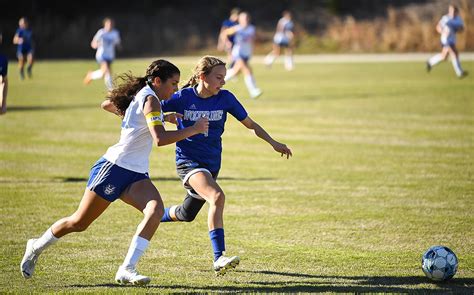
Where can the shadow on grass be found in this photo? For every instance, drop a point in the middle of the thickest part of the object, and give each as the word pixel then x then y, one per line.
pixel 51 107
pixel 319 283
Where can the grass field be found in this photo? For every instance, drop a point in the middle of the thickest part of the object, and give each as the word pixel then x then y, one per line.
pixel 383 168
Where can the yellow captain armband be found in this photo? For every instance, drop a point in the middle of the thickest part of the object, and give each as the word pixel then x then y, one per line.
pixel 154 118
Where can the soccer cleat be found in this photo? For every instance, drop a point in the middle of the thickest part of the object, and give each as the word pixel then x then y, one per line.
pixel 428 67
pixel 464 75
pixel 130 276
pixel 223 264
pixel 29 260
pixel 255 93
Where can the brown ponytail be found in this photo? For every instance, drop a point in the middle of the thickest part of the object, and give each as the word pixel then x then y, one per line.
pixel 204 66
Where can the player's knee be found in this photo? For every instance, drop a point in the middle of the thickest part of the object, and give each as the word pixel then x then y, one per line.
pixel 78 224
pixel 217 198
pixel 154 211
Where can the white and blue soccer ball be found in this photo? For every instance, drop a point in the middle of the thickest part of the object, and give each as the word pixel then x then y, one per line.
pixel 439 263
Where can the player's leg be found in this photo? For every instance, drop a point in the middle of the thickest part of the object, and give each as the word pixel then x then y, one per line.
pixel 289 64
pixel 21 65
pixel 144 196
pixel 250 80
pixel 437 58
pixel 185 212
pixel 206 186
pixel 234 70
pixel 454 55
pixel 97 74
pixel 30 60
pixel 91 207
pixel 271 57
pixel 3 94
pixel 106 69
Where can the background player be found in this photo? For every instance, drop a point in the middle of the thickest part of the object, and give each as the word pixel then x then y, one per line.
pixel 105 41
pixel 198 158
pixel 24 40
pixel 448 26
pixel 244 36
pixel 3 80
pixel 283 39
pixel 123 171
pixel 226 42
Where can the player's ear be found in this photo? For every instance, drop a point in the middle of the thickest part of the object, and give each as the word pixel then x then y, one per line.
pixel 202 77
pixel 157 81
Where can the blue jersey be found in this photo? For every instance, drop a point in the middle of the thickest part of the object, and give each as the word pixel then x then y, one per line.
pixel 3 65
pixel 27 36
pixel 206 149
pixel 228 24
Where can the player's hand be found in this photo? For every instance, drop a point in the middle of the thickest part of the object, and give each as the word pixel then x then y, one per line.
pixel 173 118
pixel 201 125
pixel 282 149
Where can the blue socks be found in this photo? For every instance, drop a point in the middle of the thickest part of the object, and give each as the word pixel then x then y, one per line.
pixel 217 241
pixel 166 216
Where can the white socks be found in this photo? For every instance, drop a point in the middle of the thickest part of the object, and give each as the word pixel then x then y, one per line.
pixel 96 75
pixel 108 82
pixel 136 250
pixel 229 75
pixel 46 240
pixel 457 66
pixel 250 83
pixel 289 65
pixel 269 59
pixel 434 60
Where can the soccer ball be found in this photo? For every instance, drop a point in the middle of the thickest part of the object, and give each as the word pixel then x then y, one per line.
pixel 439 263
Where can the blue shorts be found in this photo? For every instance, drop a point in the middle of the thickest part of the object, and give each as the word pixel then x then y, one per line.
pixel 102 59
pixel 25 50
pixel 3 65
pixel 186 168
pixel 109 180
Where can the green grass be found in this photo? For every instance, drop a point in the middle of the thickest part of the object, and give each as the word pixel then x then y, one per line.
pixel 382 170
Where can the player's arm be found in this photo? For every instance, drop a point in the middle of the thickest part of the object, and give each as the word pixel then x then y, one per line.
pixel 108 106
pixel 230 31
pixel 153 115
pixel 17 39
pixel 260 132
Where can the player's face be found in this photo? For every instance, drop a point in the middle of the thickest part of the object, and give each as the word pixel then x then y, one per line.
pixel 214 81
pixel 165 89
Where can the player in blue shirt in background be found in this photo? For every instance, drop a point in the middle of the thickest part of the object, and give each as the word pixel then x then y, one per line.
pixel 225 43
pixel 24 40
pixel 3 80
pixel 198 158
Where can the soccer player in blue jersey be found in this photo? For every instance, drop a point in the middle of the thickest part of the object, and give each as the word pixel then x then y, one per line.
pixel 198 158
pixel 244 35
pixel 226 42
pixel 24 40
pixel 105 41
pixel 283 39
pixel 3 81
pixel 122 172
pixel 447 27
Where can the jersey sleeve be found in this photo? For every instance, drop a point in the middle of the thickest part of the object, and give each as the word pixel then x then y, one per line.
pixel 171 105
pixel 3 66
pixel 235 108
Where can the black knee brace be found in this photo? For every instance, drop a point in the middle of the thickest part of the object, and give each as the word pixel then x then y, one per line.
pixel 189 209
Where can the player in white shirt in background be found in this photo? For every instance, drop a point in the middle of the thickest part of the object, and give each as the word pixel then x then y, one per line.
pixel 244 36
pixel 105 41
pixel 122 172
pixel 448 26
pixel 283 39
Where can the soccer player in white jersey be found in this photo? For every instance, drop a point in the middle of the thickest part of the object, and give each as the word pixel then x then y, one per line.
pixel 447 27
pixel 122 172
pixel 105 41
pixel 283 39
pixel 244 35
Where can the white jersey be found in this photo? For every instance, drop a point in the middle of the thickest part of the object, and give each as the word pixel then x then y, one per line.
pixel 133 150
pixel 283 31
pixel 449 26
pixel 106 43
pixel 243 41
